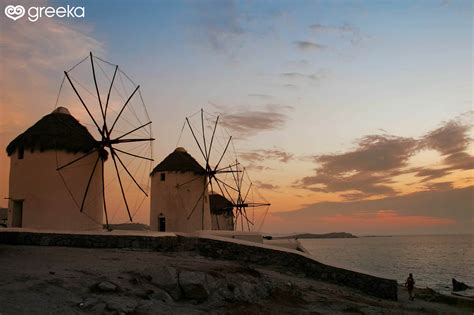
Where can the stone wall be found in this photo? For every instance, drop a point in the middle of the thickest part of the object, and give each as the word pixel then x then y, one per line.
pixel 285 261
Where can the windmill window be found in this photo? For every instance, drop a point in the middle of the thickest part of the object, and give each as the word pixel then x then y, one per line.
pixel 21 153
pixel 162 177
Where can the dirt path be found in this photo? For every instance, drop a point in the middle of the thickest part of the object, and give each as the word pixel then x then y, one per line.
pixel 60 280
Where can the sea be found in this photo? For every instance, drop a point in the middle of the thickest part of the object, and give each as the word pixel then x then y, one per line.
pixel 433 259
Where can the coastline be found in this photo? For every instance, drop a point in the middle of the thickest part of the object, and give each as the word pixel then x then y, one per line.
pixel 433 260
pixel 47 279
pixel 204 274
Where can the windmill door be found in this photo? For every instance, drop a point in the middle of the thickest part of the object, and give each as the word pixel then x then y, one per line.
pixel 161 223
pixel 17 213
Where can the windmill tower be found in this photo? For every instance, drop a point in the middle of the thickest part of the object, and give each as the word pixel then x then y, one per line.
pixel 38 197
pixel 222 212
pixel 179 195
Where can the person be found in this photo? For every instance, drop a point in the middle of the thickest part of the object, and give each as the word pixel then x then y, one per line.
pixel 410 284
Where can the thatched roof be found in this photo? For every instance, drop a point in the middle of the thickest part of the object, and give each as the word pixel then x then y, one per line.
pixel 58 131
pixel 219 204
pixel 179 161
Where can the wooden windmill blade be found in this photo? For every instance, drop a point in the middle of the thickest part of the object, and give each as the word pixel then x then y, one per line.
pixel 249 198
pixel 214 149
pixel 111 106
pixel 224 174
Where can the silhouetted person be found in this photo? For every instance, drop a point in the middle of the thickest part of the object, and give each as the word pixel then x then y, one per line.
pixel 410 284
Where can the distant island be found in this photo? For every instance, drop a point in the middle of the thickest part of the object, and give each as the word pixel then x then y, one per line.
pixel 311 235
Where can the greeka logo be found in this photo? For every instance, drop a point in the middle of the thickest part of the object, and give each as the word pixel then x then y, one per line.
pixel 16 12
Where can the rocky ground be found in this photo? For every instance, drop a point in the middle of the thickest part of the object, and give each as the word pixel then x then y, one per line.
pixel 61 280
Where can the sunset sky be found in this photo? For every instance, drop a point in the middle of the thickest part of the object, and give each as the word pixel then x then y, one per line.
pixel 351 116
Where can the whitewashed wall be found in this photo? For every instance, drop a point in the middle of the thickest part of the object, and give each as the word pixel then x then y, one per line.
pixel 47 202
pixel 176 203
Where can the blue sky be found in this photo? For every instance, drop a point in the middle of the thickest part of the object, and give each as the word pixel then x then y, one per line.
pixel 401 56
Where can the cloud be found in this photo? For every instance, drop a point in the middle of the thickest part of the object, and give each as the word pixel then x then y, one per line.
pixel 222 23
pixel 271 154
pixel 450 138
pixel 366 170
pixel 31 62
pixel 374 153
pixel 249 122
pixel 429 174
pixel 297 75
pixel 256 167
pixel 455 204
pixel 439 186
pixel 460 160
pixel 34 56
pixel 383 222
pixel 452 141
pixel 308 46
pixel 348 31
pixel 455 162
pixel 354 196
pixel 345 28
pixel 266 186
pixel 370 168
pixel 363 182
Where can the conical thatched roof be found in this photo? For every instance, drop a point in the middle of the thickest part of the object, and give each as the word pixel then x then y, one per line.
pixel 179 161
pixel 58 131
pixel 219 204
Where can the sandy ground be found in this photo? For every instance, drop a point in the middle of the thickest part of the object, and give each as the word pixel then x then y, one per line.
pixel 60 280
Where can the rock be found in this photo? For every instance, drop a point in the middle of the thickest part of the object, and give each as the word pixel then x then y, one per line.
pixel 120 304
pixel 106 286
pixel 194 285
pixel 237 288
pixel 160 295
pixel 88 303
pixel 155 294
pixel 459 286
pixel 165 278
pixel 158 307
pixel 118 307
pixel 221 289
pixel 145 308
pixel 92 305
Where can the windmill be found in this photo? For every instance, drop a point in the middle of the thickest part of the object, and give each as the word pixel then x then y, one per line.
pixel 225 175
pixel 111 106
pixel 248 198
